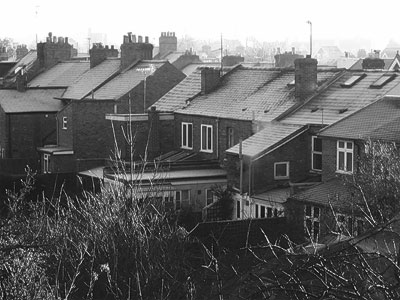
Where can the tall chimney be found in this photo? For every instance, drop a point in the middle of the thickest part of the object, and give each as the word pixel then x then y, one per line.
pixel 51 52
pixel 210 79
pixel 98 54
pixel 154 133
pixel 305 76
pixel 132 51
pixel 168 42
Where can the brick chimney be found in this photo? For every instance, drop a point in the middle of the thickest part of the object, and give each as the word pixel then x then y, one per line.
pixel 21 81
pixel 132 50
pixel 167 43
pixel 154 133
pixel 305 76
pixel 21 51
pixel 99 53
pixel 210 79
pixel 53 51
pixel 373 63
pixel 232 60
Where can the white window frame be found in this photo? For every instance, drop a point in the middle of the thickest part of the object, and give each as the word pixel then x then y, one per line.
pixel 46 162
pixel 209 147
pixel 230 137
pixel 314 152
pixel 287 170
pixel 213 197
pixel 185 134
pixel 64 122
pixel 345 151
pixel 313 219
pixel 179 199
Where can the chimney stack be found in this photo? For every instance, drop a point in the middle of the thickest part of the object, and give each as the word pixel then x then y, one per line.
pixel 98 54
pixel 51 52
pixel 372 63
pixel 132 51
pixel 305 76
pixel 168 43
pixel 210 79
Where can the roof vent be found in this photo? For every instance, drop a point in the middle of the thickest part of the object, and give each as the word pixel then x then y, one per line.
pixel 343 110
pixel 314 109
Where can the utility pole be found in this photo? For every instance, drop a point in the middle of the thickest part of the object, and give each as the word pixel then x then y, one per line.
pixel 309 22
pixel 221 55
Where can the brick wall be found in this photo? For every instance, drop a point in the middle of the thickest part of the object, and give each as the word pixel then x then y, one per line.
pixel 242 129
pixel 29 131
pixel 158 84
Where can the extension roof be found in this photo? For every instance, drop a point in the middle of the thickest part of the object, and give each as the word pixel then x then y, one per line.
pixel 336 102
pixel 92 79
pixel 378 121
pixel 271 137
pixel 62 74
pixel 124 82
pixel 31 101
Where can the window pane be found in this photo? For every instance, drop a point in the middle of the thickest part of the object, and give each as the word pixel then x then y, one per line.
pixel 238 209
pixel 178 196
pixel 209 196
pixel 316 230
pixel 185 195
pixel 190 135
pixel 341 144
pixel 209 138
pixel 341 161
pixel 349 145
pixel 269 212
pixel 317 144
pixel 349 162
pixel 203 137
pixel 281 170
pixel 262 211
pixel 308 226
pixel 308 211
pixel 316 212
pixel 317 162
pixel 256 210
pixel 184 140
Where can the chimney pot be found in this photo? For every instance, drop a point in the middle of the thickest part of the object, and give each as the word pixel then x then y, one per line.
pixel 293 50
pixel 66 40
pixel 140 39
pixel 146 39
pixel 126 39
pixel 133 38
pixel 54 39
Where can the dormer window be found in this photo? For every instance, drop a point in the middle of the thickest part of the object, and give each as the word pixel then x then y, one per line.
pixel 353 80
pixel 384 79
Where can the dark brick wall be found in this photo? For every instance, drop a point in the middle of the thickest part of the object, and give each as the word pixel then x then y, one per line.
pixel 158 84
pixel 168 42
pixel 305 76
pixel 92 133
pixel 53 51
pixel 65 136
pixel 185 60
pixel 4 132
pixel 242 129
pixel 29 131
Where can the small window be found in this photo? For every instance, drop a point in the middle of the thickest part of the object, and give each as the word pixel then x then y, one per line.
pixel 230 137
pixel 206 138
pixel 316 154
pixel 281 170
pixel 187 135
pixel 384 79
pixel 64 122
pixel 46 162
pixel 353 80
pixel 345 156
pixel 210 197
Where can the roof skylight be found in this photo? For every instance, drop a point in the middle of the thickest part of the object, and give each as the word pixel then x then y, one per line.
pixel 353 80
pixel 384 79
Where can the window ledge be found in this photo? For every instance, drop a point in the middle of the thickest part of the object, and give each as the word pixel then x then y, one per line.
pixel 186 148
pixel 316 171
pixel 206 151
pixel 343 172
pixel 281 178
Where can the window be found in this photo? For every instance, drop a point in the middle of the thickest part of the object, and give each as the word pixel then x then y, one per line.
pixel 311 221
pixel 256 211
pixel 345 156
pixel 181 197
pixel 206 138
pixel 210 197
pixel 64 122
pixel 316 154
pixel 353 80
pixel 230 140
pixel 281 170
pixel 187 135
pixel 238 209
pixel 46 160
pixel 348 225
pixel 384 79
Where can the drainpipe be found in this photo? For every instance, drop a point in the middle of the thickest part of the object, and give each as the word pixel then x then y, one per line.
pixel 217 143
pixel 250 177
pixel 241 167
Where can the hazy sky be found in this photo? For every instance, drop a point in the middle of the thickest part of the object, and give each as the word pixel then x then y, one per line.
pixel 203 19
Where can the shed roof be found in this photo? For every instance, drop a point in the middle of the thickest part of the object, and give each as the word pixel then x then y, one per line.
pixel 35 100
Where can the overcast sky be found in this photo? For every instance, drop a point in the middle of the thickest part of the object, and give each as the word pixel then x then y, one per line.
pixel 203 19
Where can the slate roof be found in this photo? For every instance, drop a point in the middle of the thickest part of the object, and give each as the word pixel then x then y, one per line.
pixel 177 96
pixel 332 191
pixel 273 135
pixel 27 60
pixel 92 79
pixel 249 94
pixel 124 82
pixel 35 100
pixel 336 102
pixel 62 74
pixel 380 120
pixel 190 68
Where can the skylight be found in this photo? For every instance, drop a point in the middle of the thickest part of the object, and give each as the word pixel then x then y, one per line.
pixel 384 79
pixel 292 83
pixel 353 80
